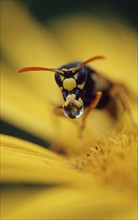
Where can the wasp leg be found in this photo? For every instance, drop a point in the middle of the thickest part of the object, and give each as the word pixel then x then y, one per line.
pixel 57 110
pixel 91 107
pixel 119 91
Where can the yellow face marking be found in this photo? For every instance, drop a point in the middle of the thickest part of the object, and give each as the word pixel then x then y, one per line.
pixel 64 69
pixel 70 69
pixel 62 77
pixel 81 85
pixel 72 99
pixel 76 75
pixel 69 84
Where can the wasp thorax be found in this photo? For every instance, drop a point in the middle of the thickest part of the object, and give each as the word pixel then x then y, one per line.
pixel 73 108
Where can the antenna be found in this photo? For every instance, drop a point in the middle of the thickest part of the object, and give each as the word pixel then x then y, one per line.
pixel 87 61
pixel 27 69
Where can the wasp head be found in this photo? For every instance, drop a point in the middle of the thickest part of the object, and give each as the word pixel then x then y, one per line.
pixel 71 84
pixel 71 79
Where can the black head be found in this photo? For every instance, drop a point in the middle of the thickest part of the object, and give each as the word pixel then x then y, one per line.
pixel 71 84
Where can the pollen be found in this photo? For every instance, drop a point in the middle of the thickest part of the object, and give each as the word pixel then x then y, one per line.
pixel 69 84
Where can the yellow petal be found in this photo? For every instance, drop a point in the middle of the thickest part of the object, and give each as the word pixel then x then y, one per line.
pixel 24 162
pixel 20 202
pixel 42 185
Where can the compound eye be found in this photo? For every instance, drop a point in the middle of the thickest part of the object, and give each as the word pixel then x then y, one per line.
pixel 58 79
pixel 81 76
pixel 65 94
pixel 77 93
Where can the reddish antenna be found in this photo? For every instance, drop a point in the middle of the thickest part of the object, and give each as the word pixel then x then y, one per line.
pixel 87 61
pixel 27 69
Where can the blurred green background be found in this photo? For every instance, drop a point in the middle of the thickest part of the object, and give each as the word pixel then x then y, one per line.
pixel 44 10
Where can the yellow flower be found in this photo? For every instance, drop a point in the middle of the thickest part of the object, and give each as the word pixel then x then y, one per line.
pixel 98 179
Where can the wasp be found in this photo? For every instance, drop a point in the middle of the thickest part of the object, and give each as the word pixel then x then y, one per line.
pixel 84 89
